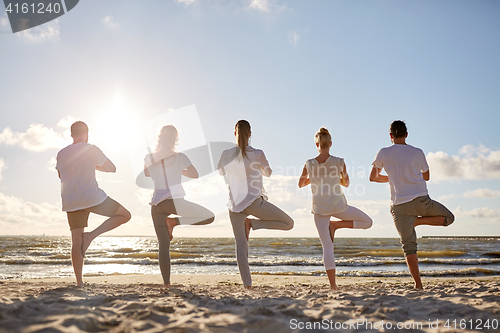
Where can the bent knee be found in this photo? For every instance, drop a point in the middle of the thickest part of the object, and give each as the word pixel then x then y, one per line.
pixel 125 215
pixel 448 220
pixel 366 224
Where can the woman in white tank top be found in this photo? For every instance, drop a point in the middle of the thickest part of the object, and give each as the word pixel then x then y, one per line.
pixel 326 174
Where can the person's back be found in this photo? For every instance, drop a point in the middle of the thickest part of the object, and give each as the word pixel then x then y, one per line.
pixel 76 165
pixel 328 197
pixel 405 166
pixel 244 176
pixel 167 176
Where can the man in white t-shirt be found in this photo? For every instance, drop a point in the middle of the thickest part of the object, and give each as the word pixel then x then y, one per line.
pixel 81 195
pixel 407 173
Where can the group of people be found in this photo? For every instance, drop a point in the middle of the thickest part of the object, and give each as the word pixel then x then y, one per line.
pixel 243 168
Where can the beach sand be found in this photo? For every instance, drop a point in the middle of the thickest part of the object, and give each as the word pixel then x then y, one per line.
pixel 218 303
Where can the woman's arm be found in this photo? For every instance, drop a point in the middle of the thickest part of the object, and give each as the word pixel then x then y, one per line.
pixel 304 178
pixel 190 172
pixel 344 177
pixel 146 171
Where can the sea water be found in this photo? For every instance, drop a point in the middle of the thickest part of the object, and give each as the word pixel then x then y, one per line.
pixel 23 257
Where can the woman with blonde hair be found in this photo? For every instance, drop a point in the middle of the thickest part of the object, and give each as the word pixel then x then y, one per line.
pixel 166 167
pixel 243 167
pixel 326 174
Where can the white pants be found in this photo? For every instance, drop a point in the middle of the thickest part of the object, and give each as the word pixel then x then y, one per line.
pixel 359 221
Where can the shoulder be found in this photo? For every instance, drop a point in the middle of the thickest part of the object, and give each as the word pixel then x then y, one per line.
pixel 415 150
pixel 256 151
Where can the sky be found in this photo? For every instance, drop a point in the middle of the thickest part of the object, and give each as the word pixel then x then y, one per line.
pixel 288 67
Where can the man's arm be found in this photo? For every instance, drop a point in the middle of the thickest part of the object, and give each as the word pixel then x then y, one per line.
pixel 108 166
pixel 427 175
pixel 376 177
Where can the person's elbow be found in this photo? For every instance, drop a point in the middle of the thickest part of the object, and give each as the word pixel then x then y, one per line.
pixel 426 175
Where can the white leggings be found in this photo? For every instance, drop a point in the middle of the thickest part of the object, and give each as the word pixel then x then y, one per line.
pixel 359 221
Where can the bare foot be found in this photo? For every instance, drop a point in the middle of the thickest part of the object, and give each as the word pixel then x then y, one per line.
pixel 248 288
pixel 166 285
pixel 87 239
pixel 419 286
pixel 171 223
pixel 333 287
pixel 248 227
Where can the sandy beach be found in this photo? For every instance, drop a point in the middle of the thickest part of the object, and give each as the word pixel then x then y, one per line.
pixel 218 303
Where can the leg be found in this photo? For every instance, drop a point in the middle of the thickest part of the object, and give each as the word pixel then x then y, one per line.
pixel 238 223
pixel 433 213
pixel 163 236
pixel 351 218
pixel 268 216
pixel 323 226
pixel 120 217
pixel 192 214
pixel 412 263
pixel 404 222
pixel 77 255
pixel 429 220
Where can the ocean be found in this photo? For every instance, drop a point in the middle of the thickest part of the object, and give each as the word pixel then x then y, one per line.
pixel 24 257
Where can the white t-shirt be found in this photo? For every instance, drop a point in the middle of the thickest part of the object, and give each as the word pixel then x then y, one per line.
pixel 244 176
pixel 167 180
pixel 404 165
pixel 76 164
pixel 327 195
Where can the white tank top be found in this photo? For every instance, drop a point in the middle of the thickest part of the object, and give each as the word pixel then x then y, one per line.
pixel 327 195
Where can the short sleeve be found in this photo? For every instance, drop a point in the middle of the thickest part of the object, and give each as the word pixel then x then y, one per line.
pixel 425 166
pixel 379 160
pixel 99 157
pixel 57 161
pixel 185 162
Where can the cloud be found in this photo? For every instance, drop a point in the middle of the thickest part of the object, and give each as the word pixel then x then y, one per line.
pixel 42 33
pixel 262 5
pixel 37 137
pixel 110 22
pixel 470 163
pixel 482 193
pixel 4 21
pixel 2 167
pixel 293 37
pixel 483 212
pixel 186 2
pixel 18 216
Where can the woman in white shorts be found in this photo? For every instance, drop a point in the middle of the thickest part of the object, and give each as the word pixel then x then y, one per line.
pixel 243 167
pixel 326 174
